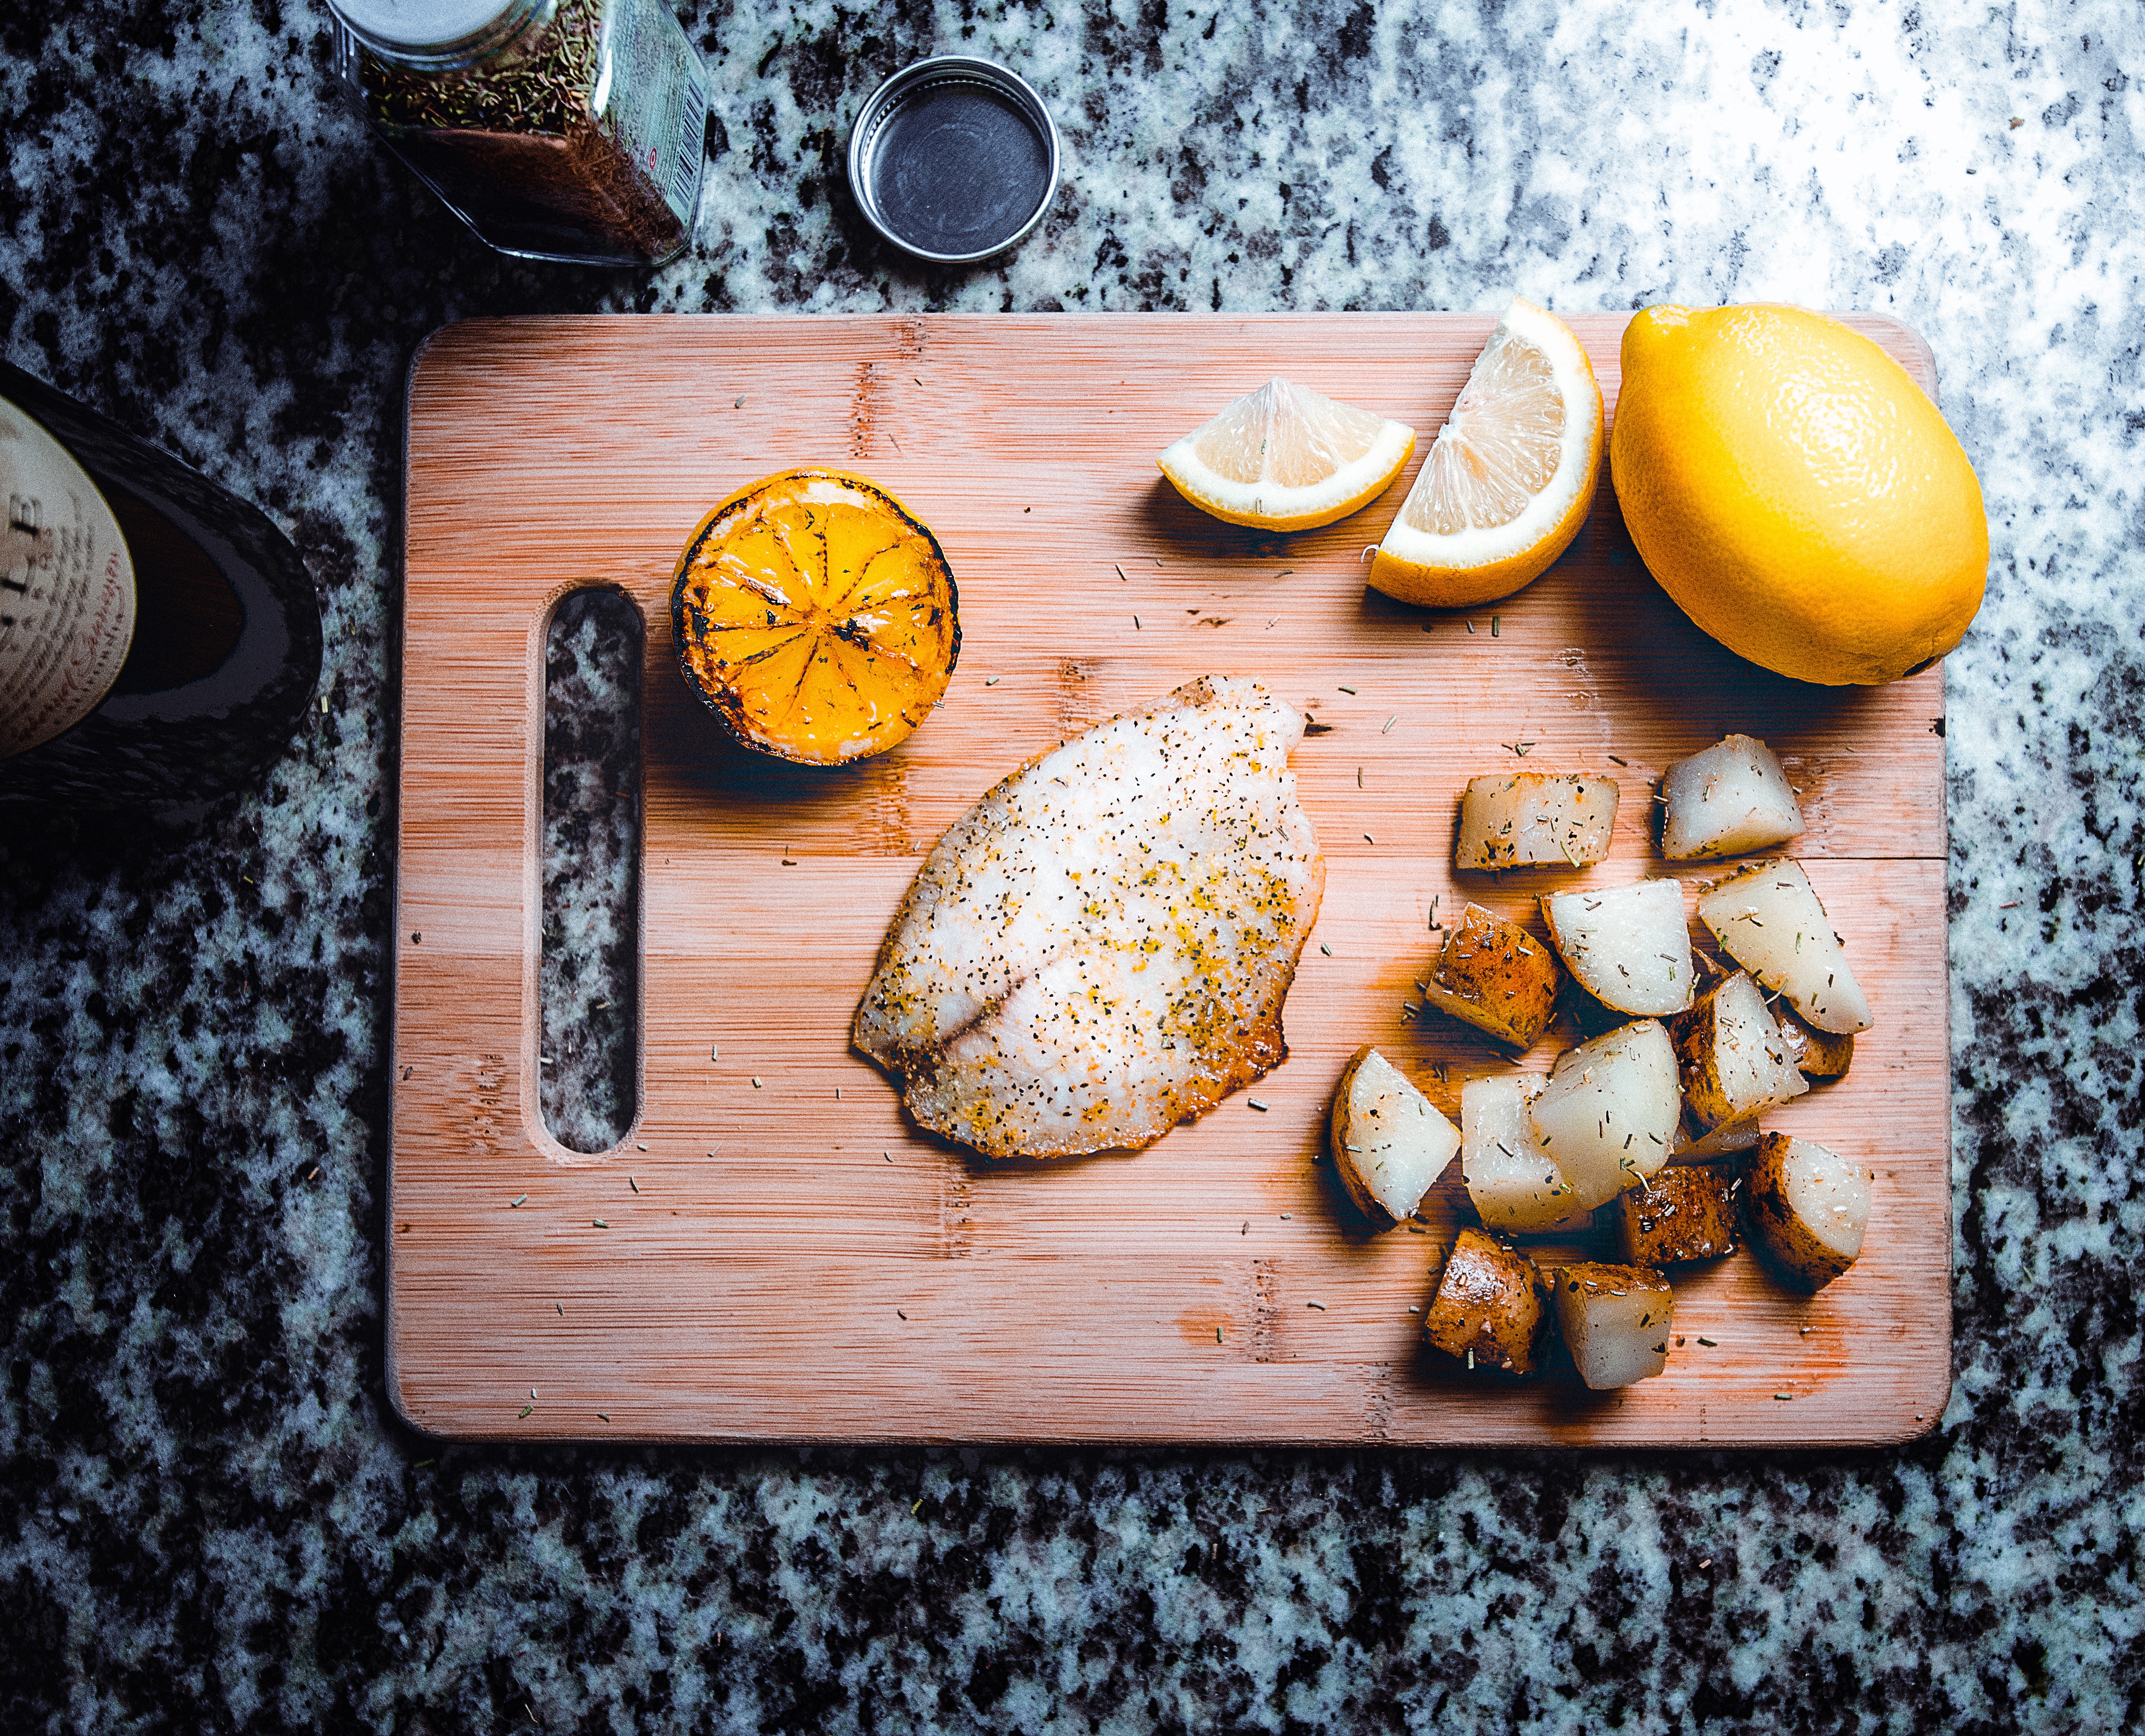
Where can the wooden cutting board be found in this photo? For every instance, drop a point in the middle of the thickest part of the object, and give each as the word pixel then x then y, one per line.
pixel 779 1256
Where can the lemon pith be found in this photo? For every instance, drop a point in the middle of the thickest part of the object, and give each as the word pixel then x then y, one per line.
pixel 1511 476
pixel 816 617
pixel 1795 493
pixel 1287 458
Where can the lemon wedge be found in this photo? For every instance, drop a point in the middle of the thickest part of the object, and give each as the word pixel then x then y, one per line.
pixel 1509 476
pixel 1287 458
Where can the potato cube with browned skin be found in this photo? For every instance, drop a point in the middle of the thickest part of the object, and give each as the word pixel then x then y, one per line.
pixel 1616 1319
pixel 1513 1183
pixel 1682 1213
pixel 1491 1307
pixel 1767 919
pixel 1390 1143
pixel 1808 1209
pixel 1496 977
pixel 1627 945
pixel 1818 1054
pixel 1732 798
pixel 1527 819
pixel 1730 1056
pixel 1609 1110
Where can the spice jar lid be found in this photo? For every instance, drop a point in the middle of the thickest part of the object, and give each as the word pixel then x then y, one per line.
pixel 426 27
pixel 954 159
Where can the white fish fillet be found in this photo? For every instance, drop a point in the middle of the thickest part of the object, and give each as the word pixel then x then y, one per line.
pixel 1100 948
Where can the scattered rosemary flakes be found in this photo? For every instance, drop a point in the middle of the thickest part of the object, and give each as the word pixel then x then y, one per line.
pixel 991 681
pixel 1614 760
pixel 1257 1103
pixel 917 1508
pixel 755 1082
pixel 526 1409
pixel 1120 571
pixel 714 1051
pixel 1345 690
pixel 1326 949
pixel 1784 1397
pixel 1390 722
pixel 638 1146
pixel 1136 625
pixel 630 1182
pixel 1217 1335
pixel 601 1223
pixel 517 1202
pixel 1496 625
pixel 1368 840
pixel 601 1418
pixel 1471 626
pixel 1320 1307
pixel 422 1463
pixel 1709 1344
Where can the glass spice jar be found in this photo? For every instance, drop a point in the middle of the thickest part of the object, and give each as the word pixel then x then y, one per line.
pixel 556 129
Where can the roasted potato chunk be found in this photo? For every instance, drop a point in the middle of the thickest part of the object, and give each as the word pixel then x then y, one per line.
pixel 1730 1056
pixel 1491 1307
pixel 1685 1212
pixel 1523 819
pixel 1732 798
pixel 1496 977
pixel 1390 1143
pixel 1627 945
pixel 1513 1183
pixel 1808 1209
pixel 1609 1110
pixel 1818 1054
pixel 1616 1320
pixel 1767 919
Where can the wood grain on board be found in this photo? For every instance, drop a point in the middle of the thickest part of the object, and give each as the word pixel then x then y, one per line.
pixel 797 1263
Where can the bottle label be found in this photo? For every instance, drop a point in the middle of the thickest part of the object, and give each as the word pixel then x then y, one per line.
pixel 67 588
pixel 657 100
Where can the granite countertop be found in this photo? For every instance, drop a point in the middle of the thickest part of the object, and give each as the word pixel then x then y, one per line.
pixel 210 1518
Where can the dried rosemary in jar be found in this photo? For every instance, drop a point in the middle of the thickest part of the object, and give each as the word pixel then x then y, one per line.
pixel 555 129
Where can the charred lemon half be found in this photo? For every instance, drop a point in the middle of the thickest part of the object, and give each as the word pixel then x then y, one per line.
pixel 816 616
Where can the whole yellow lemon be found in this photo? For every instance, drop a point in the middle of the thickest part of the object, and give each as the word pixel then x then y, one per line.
pixel 1795 492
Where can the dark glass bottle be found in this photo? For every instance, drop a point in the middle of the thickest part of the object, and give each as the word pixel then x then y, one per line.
pixel 225 651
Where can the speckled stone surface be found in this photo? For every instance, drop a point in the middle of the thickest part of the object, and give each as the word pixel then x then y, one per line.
pixel 210 1520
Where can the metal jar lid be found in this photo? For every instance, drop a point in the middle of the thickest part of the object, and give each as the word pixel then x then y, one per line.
pixel 954 159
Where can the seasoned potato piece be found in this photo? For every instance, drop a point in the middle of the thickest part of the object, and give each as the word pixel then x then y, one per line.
pixel 1686 1212
pixel 1519 819
pixel 1513 1183
pixel 1767 919
pixel 1809 1208
pixel 1616 1319
pixel 1609 1110
pixel 1627 945
pixel 1490 1306
pixel 1730 1056
pixel 1389 1142
pixel 1720 1142
pixel 1818 1054
pixel 1732 798
pixel 1496 977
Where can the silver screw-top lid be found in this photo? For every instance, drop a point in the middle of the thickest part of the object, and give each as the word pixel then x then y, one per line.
pixel 428 28
pixel 954 159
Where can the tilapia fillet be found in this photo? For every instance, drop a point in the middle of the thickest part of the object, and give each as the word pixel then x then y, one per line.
pixel 1100 948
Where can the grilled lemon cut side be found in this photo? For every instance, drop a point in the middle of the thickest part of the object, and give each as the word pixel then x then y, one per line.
pixel 816 616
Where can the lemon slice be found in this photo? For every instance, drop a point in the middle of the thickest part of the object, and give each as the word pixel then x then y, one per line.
pixel 817 617
pixel 1509 476
pixel 1287 458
